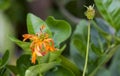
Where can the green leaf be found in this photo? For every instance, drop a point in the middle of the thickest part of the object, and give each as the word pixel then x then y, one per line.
pixel 103 72
pixel 104 29
pixel 23 63
pixel 101 35
pixel 104 26
pixel 34 23
pixel 0 61
pixel 98 45
pixel 43 59
pixel 54 55
pixel 2 71
pixel 5 4
pixel 78 45
pixel 39 69
pixel 24 45
pixel 115 64
pixel 5 59
pixel 13 69
pixel 76 57
pixel 110 9
pixel 60 71
pixel 61 30
pixel 71 66
pixel 5 72
pixel 97 42
pixel 105 58
pixel 51 56
pixel 79 37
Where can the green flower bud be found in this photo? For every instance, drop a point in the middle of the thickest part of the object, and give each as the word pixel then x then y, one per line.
pixel 90 13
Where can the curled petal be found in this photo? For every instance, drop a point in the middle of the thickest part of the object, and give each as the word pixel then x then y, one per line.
pixel 28 36
pixel 37 51
pixel 33 57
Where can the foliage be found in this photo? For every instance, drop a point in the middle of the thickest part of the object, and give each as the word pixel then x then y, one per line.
pixel 104 44
pixel 50 60
pixel 3 64
pixel 109 9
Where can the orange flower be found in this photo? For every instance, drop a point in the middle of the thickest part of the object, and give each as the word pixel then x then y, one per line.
pixel 41 44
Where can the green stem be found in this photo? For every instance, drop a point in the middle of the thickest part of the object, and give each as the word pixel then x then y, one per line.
pixel 41 75
pixel 87 50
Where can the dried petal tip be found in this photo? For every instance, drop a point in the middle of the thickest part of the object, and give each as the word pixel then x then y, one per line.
pixel 90 13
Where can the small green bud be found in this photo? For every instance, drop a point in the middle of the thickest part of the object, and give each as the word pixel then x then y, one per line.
pixel 90 13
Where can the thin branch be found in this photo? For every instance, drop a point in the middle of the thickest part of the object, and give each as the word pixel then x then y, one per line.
pixel 67 15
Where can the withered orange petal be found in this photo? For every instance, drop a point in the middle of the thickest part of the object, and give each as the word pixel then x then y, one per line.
pixel 33 57
pixel 29 36
pixel 41 44
pixel 37 51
